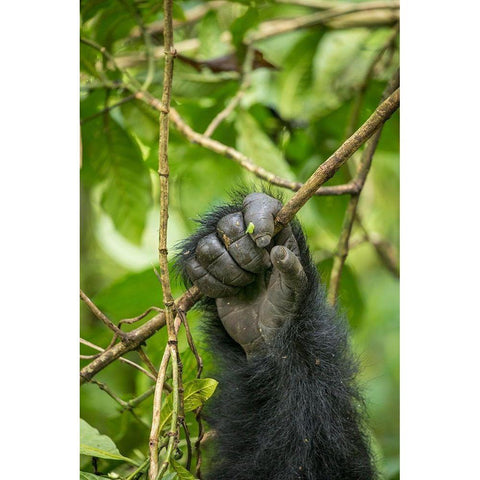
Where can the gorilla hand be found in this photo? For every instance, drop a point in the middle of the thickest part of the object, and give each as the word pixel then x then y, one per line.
pixel 257 280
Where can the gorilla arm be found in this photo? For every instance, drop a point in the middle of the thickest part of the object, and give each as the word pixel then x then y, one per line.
pixel 287 405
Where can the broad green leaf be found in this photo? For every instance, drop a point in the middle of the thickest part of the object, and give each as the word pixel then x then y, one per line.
pixel 209 32
pixel 256 144
pixel 111 154
pixel 196 393
pixel 88 476
pixel 133 294
pixel 94 444
pixel 182 472
pixel 170 476
pixel 250 228
pixel 242 25
pixel 296 97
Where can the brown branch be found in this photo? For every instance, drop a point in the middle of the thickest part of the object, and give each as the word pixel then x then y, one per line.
pixel 230 152
pixel 147 361
pixel 129 321
pixel 384 249
pixel 247 163
pixel 124 360
pixel 191 16
pixel 157 406
pixel 163 172
pixel 278 27
pixel 136 337
pixel 328 168
pixel 198 411
pixel 101 316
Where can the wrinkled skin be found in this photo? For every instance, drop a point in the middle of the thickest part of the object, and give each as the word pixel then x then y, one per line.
pixel 256 280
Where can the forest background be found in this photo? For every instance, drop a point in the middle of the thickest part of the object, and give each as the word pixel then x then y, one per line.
pixel 39 195
pixel 305 75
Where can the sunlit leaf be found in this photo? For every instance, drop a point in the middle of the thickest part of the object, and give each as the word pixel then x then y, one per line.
pixel 110 153
pixel 196 393
pixel 182 472
pixel 94 444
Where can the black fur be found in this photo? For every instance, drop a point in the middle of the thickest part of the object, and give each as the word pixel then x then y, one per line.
pixel 293 412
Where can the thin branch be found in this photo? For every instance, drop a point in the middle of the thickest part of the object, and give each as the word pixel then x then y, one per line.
pixel 134 402
pixel 328 168
pixel 124 360
pixel 357 104
pixel 361 176
pixel 247 163
pixel 163 172
pixel 147 361
pixel 136 337
pixel 236 99
pixel 230 152
pixel 100 315
pixel 157 407
pixel 124 100
pixel 129 321
pixel 278 27
pixel 198 411
pixel 385 250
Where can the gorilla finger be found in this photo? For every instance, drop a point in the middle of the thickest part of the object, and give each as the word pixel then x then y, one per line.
pixel 286 238
pixel 213 256
pixel 231 229
pixel 260 210
pixel 292 274
pixel 207 283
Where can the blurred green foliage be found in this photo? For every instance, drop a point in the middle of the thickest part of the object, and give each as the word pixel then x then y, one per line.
pixel 289 121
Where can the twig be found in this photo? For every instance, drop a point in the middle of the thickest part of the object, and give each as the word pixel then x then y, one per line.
pixel 129 321
pixel 130 404
pixel 385 250
pixel 236 99
pixel 108 109
pixel 277 27
pixel 100 315
pixel 198 411
pixel 136 337
pixel 163 172
pixel 229 152
pixel 247 163
pixel 147 361
pixel 356 108
pixel 363 169
pixel 157 406
pixel 328 168
pixel 172 434
pixel 124 360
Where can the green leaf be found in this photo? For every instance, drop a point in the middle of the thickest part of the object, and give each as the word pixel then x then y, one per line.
pixel 88 476
pixel 255 143
pixel 182 472
pixel 250 228
pixel 196 393
pixel 296 97
pixel 94 444
pixel 110 154
pixel 242 25
pixel 170 476
pixel 133 294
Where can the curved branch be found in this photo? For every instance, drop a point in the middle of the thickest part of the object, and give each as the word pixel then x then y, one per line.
pixel 328 168
pixel 136 337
